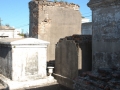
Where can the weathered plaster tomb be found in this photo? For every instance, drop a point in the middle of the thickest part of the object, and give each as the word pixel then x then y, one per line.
pixel 23 59
pixel 105 74
pixel 51 21
pixel 73 56
pixel 106 33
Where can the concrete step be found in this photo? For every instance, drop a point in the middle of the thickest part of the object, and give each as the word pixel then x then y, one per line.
pixel 2 87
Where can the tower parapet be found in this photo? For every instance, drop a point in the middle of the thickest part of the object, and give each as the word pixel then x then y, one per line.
pixel 51 21
pixel 59 4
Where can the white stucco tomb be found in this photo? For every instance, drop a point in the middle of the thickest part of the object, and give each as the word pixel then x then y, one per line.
pixel 23 61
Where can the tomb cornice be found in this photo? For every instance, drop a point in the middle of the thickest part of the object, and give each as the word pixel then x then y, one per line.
pixel 94 4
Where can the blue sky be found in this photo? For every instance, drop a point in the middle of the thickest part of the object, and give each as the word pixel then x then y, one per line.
pixel 16 12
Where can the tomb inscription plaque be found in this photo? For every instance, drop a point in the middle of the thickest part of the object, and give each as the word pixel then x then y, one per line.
pixel 32 64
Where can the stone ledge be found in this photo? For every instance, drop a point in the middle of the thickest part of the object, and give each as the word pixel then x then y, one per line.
pixel 65 81
pixel 14 85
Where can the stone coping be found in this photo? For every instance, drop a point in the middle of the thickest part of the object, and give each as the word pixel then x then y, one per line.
pixel 93 4
pixel 51 3
pixel 79 38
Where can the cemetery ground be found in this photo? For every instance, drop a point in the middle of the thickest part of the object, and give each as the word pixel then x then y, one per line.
pixel 49 87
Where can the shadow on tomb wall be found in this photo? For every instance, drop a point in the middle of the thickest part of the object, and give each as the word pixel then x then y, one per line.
pixel 51 63
pixel 5 60
pixel 85 57
pixel 4 51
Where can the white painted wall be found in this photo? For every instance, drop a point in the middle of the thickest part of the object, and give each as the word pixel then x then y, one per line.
pixel 10 34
